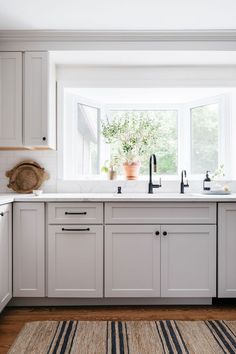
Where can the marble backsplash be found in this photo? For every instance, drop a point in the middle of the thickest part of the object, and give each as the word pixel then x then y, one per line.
pixel 48 160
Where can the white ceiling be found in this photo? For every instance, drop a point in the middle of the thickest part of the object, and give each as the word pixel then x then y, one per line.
pixel 139 58
pixel 148 95
pixel 118 14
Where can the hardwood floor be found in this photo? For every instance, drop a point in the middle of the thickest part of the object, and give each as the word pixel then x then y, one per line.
pixel 13 318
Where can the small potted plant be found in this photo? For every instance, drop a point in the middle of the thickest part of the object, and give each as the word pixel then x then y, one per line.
pixel 110 167
pixel 132 137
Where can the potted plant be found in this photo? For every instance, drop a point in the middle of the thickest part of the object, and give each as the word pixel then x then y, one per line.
pixel 110 167
pixel 132 136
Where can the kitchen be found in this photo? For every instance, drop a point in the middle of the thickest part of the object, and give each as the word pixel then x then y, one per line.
pixel 118 193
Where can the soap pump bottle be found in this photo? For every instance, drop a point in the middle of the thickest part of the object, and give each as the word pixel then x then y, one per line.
pixel 207 182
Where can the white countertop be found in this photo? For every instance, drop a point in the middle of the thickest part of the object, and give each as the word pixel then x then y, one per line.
pixel 110 197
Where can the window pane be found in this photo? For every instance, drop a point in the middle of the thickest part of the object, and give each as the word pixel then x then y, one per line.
pixel 204 128
pixel 81 141
pixel 88 134
pixel 165 146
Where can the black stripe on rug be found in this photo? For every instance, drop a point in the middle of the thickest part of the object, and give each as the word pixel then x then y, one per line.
pixel 166 337
pixel 220 337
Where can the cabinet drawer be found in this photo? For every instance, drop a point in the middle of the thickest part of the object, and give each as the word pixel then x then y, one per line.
pixel 160 213
pixel 75 213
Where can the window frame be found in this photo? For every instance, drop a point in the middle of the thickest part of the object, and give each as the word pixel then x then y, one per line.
pixel 224 131
pixel 183 126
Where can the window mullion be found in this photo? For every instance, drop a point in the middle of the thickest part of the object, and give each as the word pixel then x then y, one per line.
pixel 184 139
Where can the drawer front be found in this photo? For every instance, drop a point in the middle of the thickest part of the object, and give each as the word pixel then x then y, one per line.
pixel 160 213
pixel 75 213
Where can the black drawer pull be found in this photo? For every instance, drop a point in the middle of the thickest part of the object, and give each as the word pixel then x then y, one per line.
pixel 164 233
pixel 76 213
pixel 2 214
pixel 63 229
pixel 157 233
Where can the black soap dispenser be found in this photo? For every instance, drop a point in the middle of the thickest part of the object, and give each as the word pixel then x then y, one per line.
pixel 207 182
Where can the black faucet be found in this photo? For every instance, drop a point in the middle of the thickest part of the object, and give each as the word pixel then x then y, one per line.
pixel 150 184
pixel 182 184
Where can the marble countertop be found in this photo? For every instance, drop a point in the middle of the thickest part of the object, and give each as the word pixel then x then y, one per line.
pixel 110 197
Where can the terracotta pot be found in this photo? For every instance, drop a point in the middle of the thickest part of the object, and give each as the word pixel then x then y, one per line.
pixel 131 170
pixel 112 175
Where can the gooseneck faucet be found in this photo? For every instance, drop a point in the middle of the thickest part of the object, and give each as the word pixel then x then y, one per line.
pixel 182 184
pixel 150 184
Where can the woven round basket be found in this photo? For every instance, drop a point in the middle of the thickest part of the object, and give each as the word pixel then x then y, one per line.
pixel 26 176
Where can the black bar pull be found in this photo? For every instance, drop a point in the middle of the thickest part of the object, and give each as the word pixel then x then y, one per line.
pixel 64 229
pixel 76 213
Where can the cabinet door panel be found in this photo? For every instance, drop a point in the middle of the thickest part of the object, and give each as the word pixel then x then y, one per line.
pixel 36 98
pixel 75 261
pixel 132 261
pixel 5 255
pixel 188 261
pixel 10 99
pixel 227 250
pixel 29 250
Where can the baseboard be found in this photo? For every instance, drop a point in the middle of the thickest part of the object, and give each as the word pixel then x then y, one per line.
pixel 107 301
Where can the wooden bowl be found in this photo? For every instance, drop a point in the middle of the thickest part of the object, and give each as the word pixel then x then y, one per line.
pixel 26 176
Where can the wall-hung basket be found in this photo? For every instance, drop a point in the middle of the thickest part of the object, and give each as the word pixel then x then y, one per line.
pixel 26 176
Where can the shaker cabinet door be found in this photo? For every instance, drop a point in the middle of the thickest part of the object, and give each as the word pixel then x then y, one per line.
pixel 10 99
pixel 227 250
pixel 29 250
pixel 5 255
pixel 39 119
pixel 188 260
pixel 132 261
pixel 75 261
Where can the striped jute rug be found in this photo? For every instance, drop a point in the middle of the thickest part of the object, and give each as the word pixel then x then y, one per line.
pixel 133 337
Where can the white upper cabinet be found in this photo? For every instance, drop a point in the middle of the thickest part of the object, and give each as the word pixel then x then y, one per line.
pixel 10 99
pixel 39 100
pixel 27 100
pixel 227 250
pixel 188 260
pixel 5 255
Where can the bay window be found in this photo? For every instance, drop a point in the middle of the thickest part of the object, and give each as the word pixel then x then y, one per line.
pixel 189 135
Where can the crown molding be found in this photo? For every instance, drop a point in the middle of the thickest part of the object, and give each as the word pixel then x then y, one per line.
pixel 117 35
pixel 60 39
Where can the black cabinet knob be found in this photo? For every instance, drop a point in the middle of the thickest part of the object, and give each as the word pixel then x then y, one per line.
pixel 164 233
pixel 44 138
pixel 2 214
pixel 157 233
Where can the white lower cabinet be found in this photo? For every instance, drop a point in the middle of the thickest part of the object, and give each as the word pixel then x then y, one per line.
pixel 227 250
pixel 5 255
pixel 132 261
pixel 28 250
pixel 166 261
pixel 75 261
pixel 188 261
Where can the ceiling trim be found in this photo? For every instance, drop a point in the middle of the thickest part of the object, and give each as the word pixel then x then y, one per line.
pixel 118 39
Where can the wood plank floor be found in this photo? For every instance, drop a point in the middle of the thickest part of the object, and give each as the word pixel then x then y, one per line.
pixel 13 319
